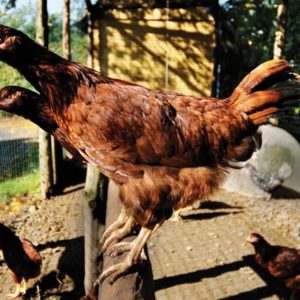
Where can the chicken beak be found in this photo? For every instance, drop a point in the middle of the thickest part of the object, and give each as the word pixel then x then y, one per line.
pixel 248 240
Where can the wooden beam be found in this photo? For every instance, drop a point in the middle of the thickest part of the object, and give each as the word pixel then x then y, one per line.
pixel 152 4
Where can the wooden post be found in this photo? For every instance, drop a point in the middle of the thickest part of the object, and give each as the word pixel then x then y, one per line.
pixel 93 229
pixel 45 158
pixel 66 37
pixel 134 286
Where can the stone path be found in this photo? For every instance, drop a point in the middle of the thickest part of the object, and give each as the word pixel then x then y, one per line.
pixel 204 256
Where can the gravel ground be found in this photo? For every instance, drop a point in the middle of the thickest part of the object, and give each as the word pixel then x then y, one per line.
pixel 55 226
pixel 202 256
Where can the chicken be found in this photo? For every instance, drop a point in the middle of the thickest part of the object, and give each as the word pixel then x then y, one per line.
pixel 281 262
pixel 270 181
pixel 164 149
pixel 21 257
pixel 32 106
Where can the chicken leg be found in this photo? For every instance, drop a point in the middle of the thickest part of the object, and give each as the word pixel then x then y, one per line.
pixel 135 248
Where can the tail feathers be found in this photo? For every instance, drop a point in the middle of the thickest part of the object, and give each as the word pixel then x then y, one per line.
pixel 262 117
pixel 259 75
pixel 278 96
pixel 258 100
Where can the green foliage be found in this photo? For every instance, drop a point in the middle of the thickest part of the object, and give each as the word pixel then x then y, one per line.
pixel 23 18
pixel 9 76
pixel 78 39
pixel 8 3
pixel 246 37
pixel 292 52
pixel 20 186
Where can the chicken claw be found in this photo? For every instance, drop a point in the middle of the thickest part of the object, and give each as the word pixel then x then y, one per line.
pixel 119 223
pixel 119 234
pixel 119 249
pixel 131 258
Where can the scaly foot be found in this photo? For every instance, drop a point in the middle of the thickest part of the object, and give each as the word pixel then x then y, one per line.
pixel 119 234
pixel 119 248
pixel 135 248
pixel 119 223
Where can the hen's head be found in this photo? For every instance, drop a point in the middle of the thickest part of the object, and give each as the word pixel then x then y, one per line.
pixel 14 45
pixel 12 98
pixel 254 238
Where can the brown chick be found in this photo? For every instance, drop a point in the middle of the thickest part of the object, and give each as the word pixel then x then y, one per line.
pixel 281 262
pixel 21 257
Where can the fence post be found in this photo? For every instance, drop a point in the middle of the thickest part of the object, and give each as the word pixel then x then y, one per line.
pixel 138 285
pixel 92 227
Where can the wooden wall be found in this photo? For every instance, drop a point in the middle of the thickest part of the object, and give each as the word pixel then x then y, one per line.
pixel 158 48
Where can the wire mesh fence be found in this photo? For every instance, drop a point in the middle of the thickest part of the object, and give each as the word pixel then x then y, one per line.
pixel 19 156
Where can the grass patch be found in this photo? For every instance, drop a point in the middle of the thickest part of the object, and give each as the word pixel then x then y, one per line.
pixel 20 186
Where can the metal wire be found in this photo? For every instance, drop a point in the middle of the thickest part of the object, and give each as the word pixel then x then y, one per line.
pixel 167 45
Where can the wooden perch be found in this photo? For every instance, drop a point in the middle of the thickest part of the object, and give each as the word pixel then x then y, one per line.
pixel 133 286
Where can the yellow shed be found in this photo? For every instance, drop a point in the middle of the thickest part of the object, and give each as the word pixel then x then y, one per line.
pixel 167 47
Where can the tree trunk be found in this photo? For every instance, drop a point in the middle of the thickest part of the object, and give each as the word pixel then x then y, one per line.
pixel 45 157
pixel 57 149
pixel 66 30
pixel 281 29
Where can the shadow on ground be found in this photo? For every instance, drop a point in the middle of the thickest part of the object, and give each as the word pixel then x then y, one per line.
pixel 50 284
pixel 198 214
pixel 272 286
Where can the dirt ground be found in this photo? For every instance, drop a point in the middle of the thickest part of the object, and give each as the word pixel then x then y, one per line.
pixel 55 226
pixel 202 256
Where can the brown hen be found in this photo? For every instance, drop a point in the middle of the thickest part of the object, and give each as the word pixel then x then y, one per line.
pixel 164 149
pixel 281 262
pixel 21 257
